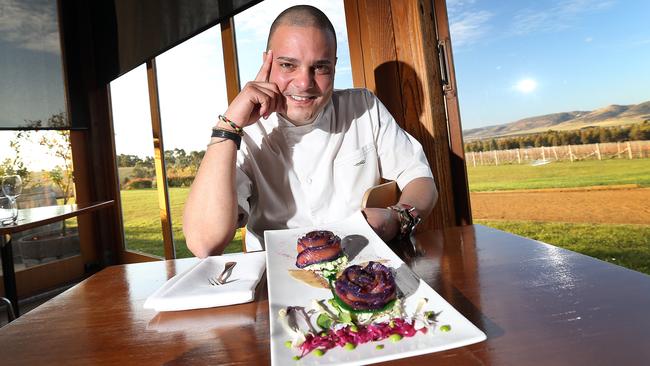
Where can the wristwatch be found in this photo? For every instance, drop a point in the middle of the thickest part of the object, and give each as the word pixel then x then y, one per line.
pixel 408 219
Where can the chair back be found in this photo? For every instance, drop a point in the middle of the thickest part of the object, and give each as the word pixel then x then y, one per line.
pixel 381 196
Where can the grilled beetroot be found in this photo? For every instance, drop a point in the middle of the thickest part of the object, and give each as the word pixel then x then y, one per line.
pixel 366 288
pixel 317 247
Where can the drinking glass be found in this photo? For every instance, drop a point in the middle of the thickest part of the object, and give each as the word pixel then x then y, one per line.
pixel 12 187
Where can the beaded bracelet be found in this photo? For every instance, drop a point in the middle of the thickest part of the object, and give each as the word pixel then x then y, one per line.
pixel 238 130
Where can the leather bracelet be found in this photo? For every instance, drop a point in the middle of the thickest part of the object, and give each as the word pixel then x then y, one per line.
pixel 217 132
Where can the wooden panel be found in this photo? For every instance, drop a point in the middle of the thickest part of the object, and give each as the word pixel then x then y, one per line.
pixel 458 164
pixel 93 149
pixel 134 257
pixel 398 51
pixel 33 280
pixel 422 96
pixel 354 43
pixel 379 55
pixel 230 63
pixel 159 162
pixel 86 225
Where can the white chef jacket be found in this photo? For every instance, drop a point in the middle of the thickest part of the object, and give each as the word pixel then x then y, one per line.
pixel 293 176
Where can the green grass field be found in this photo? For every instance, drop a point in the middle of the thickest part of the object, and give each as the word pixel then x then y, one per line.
pixel 142 228
pixel 626 245
pixel 559 175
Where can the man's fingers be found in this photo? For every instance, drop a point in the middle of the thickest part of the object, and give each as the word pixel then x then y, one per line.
pixel 265 70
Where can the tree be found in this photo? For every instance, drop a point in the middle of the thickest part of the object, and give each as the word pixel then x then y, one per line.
pixel 58 144
pixel 16 166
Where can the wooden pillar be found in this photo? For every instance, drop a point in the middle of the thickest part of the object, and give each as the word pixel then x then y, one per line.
pixel 159 162
pixel 394 53
pixel 93 149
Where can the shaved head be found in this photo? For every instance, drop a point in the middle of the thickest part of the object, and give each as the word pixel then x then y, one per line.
pixel 302 16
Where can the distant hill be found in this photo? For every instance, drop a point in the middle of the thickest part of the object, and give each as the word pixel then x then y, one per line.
pixel 613 115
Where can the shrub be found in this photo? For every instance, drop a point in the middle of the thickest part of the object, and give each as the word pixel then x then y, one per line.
pixel 139 183
pixel 179 181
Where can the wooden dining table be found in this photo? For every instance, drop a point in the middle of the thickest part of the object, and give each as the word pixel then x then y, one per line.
pixel 29 218
pixel 537 303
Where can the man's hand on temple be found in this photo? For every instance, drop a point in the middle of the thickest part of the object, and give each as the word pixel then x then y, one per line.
pixel 258 99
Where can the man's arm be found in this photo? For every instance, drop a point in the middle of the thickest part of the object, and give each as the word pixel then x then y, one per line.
pixel 419 193
pixel 210 215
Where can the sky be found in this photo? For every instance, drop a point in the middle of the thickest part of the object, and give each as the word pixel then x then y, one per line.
pixel 513 59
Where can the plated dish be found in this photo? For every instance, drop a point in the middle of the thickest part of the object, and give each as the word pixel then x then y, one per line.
pixel 369 307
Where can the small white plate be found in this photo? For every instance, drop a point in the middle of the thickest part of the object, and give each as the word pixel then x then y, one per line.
pixel 361 244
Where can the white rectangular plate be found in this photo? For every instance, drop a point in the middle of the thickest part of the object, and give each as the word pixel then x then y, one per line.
pixel 361 244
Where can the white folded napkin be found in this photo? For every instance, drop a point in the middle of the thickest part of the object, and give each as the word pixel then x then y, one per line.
pixel 192 290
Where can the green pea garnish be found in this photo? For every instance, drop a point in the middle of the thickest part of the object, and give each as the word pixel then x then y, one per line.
pixel 287 344
pixel 379 346
pixel 395 337
pixel 445 328
pixel 319 352
pixel 296 358
pixel 349 346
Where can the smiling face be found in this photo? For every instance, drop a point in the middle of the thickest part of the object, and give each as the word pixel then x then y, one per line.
pixel 303 69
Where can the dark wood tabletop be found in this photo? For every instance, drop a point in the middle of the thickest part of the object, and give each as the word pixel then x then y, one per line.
pixel 538 305
pixel 29 218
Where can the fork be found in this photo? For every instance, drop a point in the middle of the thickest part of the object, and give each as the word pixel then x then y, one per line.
pixel 223 277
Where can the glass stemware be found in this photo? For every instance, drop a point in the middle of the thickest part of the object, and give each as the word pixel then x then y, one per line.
pixel 12 187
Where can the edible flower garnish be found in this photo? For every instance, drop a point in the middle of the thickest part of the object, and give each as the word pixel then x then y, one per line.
pixel 340 327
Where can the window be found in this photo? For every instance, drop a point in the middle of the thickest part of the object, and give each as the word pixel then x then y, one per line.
pixel 32 95
pixel 192 90
pixel 134 151
pixel 553 94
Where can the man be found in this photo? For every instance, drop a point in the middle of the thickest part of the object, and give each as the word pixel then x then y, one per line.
pixel 308 152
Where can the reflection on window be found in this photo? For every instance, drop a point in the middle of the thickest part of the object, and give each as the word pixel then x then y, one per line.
pixel 252 29
pixel 43 161
pixel 192 91
pixel 134 151
pixel 30 66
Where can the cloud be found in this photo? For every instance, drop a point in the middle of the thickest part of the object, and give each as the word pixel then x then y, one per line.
pixel 469 27
pixel 455 7
pixel 30 26
pixel 556 18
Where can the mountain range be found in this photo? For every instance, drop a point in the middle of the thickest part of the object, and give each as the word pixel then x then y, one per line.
pixel 612 115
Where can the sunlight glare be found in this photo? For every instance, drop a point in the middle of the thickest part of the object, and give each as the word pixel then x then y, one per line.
pixel 526 85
